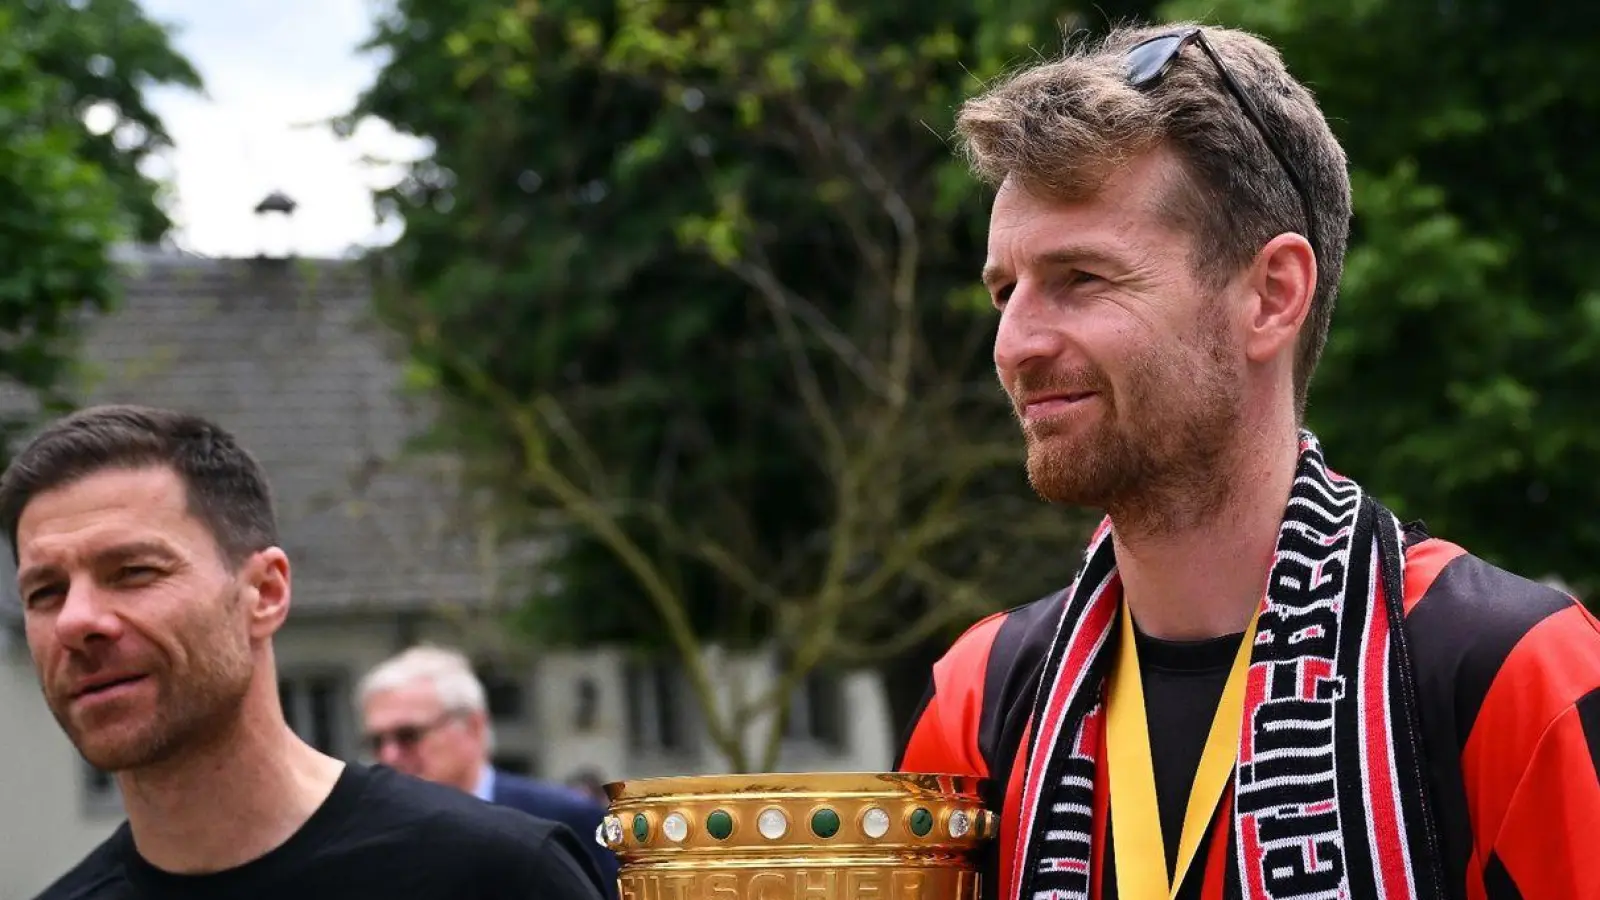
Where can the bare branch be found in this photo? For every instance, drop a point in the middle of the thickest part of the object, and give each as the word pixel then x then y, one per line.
pixel 904 293
pixel 560 425
pixel 958 600
pixel 722 559
pixel 756 273
pixel 540 473
pixel 896 441
pixel 775 299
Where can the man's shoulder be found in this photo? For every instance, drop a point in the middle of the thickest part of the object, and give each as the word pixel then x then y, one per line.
pixel 543 798
pixel 1011 632
pixel 423 805
pixel 1457 598
pixel 492 842
pixel 996 660
pixel 98 876
pixel 1480 634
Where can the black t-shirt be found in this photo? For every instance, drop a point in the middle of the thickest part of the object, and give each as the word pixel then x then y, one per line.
pixel 1183 684
pixel 380 835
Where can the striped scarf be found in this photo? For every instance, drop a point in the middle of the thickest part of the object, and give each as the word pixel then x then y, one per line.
pixel 1328 792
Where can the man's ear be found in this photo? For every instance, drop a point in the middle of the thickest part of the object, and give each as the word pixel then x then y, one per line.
pixel 266 591
pixel 1282 280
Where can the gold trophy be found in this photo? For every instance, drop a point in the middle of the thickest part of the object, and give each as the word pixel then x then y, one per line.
pixel 888 836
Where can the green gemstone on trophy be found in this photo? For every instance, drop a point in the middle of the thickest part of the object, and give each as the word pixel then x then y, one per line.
pixel 797 836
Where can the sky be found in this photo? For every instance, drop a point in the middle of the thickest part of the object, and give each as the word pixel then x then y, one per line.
pixel 273 69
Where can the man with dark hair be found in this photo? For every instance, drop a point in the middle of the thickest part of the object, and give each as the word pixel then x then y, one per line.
pixel 1395 718
pixel 152 585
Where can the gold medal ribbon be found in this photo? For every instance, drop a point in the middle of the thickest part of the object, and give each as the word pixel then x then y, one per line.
pixel 1140 851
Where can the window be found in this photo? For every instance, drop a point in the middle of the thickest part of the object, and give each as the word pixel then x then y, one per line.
pixel 816 711
pixel 504 695
pixel 314 706
pixel 586 710
pixel 660 713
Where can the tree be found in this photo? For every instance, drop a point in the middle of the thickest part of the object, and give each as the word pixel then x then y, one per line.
pixel 663 251
pixel 698 286
pixel 69 192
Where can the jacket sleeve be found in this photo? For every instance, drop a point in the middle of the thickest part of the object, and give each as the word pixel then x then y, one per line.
pixel 943 737
pixel 556 870
pixel 1532 767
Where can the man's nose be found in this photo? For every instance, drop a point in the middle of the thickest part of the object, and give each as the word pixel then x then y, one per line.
pixel 1025 333
pixel 86 615
pixel 389 753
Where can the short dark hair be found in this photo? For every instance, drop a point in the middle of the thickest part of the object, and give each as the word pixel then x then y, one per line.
pixel 225 486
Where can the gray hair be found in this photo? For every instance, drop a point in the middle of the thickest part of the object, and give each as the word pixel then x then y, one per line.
pixel 448 671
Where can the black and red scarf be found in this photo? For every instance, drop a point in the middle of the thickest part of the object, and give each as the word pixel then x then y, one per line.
pixel 1328 795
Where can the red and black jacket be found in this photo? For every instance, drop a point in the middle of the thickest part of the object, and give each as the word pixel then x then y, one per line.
pixel 1508 681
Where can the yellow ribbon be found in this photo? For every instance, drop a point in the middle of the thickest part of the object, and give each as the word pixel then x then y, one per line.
pixel 1141 858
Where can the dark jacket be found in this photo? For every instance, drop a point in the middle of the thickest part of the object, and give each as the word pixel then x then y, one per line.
pixel 564 805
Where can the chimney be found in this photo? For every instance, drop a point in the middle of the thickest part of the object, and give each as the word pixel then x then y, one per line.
pixel 274 214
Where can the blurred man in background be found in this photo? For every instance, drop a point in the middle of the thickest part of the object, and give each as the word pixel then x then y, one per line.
pixel 426 714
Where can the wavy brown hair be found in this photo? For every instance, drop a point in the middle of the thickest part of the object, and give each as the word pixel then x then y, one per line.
pixel 1061 127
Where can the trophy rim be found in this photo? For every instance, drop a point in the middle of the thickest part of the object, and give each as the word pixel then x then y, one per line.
pixel 799 784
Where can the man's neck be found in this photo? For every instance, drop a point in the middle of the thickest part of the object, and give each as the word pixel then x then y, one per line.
pixel 1204 578
pixel 228 803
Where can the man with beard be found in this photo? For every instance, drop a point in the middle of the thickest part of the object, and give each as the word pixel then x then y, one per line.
pixel 152 585
pixel 1392 716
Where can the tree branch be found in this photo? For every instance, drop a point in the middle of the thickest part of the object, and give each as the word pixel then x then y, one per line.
pixel 540 473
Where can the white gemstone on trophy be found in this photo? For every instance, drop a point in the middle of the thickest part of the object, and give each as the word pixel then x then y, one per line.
pixel 675 827
pixel 772 824
pixel 613 827
pixel 600 834
pixel 960 823
pixel 875 823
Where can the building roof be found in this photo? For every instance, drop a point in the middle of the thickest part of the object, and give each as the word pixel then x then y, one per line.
pixel 287 356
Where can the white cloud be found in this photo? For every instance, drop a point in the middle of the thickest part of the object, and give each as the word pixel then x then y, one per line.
pixel 273 69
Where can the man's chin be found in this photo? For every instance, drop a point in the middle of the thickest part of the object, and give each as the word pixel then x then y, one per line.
pixel 117 746
pixel 1064 479
pixel 1057 487
pixel 114 753
pixel 1057 494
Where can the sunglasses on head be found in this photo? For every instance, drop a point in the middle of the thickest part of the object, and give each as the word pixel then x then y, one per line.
pixel 1150 60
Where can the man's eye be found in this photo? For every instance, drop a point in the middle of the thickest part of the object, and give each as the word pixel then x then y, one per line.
pixel 136 573
pixel 39 596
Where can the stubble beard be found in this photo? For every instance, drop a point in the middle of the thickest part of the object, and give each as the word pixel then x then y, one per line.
pixel 193 709
pixel 1153 461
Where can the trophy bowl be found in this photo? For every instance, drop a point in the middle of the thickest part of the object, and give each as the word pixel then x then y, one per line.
pixel 814 836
